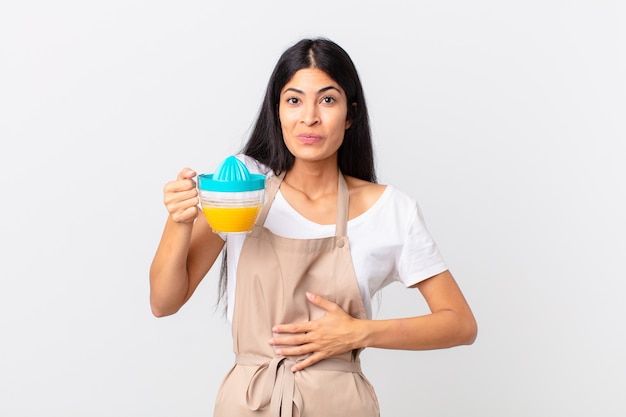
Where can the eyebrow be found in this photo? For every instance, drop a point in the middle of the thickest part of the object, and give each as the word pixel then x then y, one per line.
pixel 321 90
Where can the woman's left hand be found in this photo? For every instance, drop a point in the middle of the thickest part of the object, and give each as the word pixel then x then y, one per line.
pixel 335 333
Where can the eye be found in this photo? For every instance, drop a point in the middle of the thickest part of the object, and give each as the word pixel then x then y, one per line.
pixel 328 99
pixel 293 100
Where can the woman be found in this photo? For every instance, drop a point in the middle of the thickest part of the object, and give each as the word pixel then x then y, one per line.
pixel 299 285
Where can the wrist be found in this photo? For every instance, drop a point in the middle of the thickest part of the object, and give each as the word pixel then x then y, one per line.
pixel 365 333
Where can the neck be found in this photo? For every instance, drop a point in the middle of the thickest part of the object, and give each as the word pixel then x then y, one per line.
pixel 312 181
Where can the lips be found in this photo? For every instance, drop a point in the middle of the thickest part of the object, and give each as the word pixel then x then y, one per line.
pixel 309 139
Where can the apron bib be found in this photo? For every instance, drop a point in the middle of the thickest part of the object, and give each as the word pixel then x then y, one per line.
pixel 273 275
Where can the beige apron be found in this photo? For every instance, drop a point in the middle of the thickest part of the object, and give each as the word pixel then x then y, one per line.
pixel 272 277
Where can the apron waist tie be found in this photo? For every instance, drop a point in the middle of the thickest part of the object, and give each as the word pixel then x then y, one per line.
pixel 278 387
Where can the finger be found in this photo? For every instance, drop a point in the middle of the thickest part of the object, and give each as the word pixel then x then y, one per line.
pixel 295 340
pixel 183 206
pixel 179 185
pixel 185 216
pixel 299 350
pixel 184 197
pixel 303 327
pixel 321 302
pixel 308 361
pixel 184 181
pixel 180 206
pixel 294 350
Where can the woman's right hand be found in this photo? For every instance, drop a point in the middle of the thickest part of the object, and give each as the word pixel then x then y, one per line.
pixel 181 197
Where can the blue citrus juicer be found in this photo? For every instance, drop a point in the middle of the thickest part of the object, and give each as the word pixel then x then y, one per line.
pixel 231 198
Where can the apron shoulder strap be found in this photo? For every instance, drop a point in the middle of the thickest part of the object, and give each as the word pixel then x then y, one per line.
pixel 343 203
pixel 271 188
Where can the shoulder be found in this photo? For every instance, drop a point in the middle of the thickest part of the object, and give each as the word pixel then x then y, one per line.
pixel 364 189
pixel 254 166
pixel 363 195
pixel 384 199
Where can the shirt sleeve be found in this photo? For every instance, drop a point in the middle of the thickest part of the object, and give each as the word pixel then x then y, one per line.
pixel 420 258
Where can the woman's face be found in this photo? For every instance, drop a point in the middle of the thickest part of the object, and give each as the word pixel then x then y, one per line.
pixel 313 110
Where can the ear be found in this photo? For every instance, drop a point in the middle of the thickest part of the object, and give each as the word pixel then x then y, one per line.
pixel 349 119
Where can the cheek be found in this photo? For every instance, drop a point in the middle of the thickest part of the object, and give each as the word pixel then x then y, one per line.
pixel 342 122
pixel 286 117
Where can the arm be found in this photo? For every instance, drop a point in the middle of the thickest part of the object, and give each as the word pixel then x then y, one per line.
pixel 187 250
pixel 450 323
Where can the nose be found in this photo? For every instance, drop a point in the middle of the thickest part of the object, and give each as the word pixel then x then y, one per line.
pixel 310 115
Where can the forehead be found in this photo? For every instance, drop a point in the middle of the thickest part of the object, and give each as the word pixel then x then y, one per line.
pixel 311 79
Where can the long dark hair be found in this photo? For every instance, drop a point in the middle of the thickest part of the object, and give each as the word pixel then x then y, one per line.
pixel 266 144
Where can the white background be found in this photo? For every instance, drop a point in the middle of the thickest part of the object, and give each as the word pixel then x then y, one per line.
pixel 505 119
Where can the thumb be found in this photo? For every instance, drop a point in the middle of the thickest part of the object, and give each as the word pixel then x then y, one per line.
pixel 185 174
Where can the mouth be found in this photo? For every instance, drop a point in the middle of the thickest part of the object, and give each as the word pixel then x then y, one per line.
pixel 309 138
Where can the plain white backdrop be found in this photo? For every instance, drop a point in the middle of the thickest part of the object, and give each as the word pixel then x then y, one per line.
pixel 505 119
